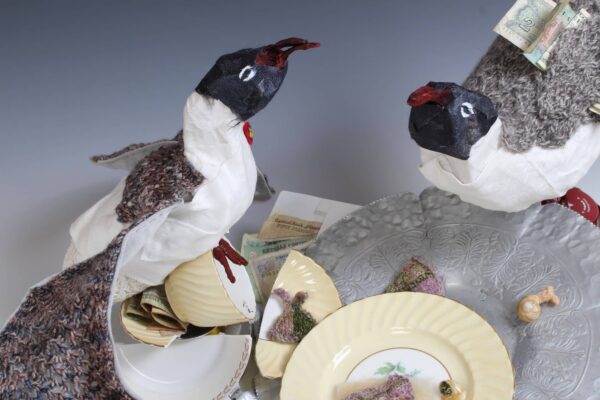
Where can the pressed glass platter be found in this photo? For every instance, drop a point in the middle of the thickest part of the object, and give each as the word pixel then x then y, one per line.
pixel 488 261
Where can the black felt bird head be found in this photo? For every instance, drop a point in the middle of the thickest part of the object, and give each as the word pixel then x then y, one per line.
pixel 245 81
pixel 449 119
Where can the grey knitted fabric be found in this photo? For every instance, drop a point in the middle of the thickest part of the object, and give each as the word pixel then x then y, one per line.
pixel 58 345
pixel 544 108
pixel 161 179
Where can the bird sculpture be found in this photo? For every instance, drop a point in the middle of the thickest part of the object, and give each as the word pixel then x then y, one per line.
pixel 178 201
pixel 200 183
pixel 513 135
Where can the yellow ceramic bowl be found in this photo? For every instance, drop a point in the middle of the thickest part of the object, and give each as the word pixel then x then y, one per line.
pixel 200 293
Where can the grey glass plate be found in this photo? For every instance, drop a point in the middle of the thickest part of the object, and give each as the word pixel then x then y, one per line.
pixel 488 261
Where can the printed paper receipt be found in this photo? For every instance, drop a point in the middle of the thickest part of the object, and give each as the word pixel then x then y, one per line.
pixel 279 226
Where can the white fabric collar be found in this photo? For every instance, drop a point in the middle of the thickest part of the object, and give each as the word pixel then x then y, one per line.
pixel 208 136
pixel 497 179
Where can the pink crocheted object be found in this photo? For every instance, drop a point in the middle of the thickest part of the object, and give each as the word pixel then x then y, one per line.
pixel 417 277
pixel 397 387
pixel 294 323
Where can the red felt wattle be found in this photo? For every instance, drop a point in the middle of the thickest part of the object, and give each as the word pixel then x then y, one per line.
pixel 429 94
pixel 225 253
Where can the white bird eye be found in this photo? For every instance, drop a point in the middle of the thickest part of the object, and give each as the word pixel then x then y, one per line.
pixel 247 73
pixel 466 109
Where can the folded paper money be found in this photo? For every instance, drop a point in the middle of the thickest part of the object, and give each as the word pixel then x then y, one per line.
pixel 148 318
pixel 534 26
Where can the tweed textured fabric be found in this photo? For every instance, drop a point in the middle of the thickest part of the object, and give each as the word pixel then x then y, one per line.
pixel 397 387
pixel 161 179
pixel 58 344
pixel 544 108
pixel 417 277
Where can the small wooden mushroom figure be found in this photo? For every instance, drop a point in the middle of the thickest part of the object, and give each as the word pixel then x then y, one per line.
pixel 451 391
pixel 529 308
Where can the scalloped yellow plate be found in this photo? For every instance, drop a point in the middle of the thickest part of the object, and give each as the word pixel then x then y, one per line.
pixel 426 337
pixel 299 273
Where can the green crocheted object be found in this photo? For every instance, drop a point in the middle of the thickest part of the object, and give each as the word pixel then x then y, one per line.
pixel 417 277
pixel 295 322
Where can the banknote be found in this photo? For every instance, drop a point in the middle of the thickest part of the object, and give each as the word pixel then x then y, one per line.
pixel 140 325
pixel 560 19
pixel 595 108
pixel 253 247
pixel 263 270
pixel 525 21
pixel 582 15
pixel 154 301
pixel 152 308
pixel 279 226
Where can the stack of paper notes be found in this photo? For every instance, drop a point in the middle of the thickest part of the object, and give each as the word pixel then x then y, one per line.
pixel 149 317
pixel 294 223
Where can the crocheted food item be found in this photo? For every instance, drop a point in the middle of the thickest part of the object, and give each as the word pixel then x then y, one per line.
pixel 451 391
pixel 397 387
pixel 529 308
pixel 295 322
pixel 417 277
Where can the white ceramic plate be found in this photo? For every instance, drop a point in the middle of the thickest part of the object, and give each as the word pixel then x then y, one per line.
pixel 426 337
pixel 204 368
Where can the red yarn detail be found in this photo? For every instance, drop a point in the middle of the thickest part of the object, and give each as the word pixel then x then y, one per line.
pixel 248 132
pixel 224 252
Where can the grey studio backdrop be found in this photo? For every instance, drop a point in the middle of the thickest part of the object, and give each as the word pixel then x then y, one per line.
pixel 79 78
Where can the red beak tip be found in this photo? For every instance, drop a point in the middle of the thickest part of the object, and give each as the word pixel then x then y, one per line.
pixel 429 94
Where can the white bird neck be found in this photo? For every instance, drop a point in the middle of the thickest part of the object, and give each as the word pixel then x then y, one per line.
pixel 210 136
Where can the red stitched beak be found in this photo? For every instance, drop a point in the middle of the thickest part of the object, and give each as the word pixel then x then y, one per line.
pixel 429 94
pixel 276 55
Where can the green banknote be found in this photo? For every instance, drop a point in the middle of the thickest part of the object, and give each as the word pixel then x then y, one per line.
pixel 253 247
pixel 560 19
pixel 525 21
pixel 264 270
